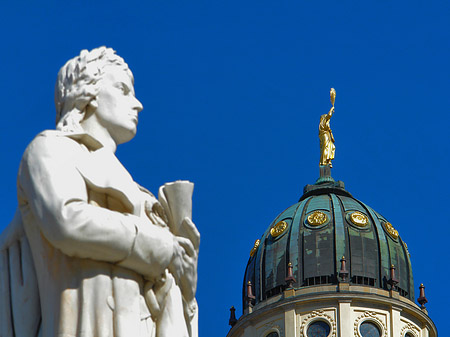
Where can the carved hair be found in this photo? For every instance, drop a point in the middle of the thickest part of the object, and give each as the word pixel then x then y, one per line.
pixel 77 85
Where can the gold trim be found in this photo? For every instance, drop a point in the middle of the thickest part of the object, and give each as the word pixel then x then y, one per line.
pixel 359 219
pixel 391 230
pixel 317 218
pixel 255 247
pixel 406 246
pixel 278 229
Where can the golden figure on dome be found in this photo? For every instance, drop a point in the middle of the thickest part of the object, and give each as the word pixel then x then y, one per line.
pixel 327 147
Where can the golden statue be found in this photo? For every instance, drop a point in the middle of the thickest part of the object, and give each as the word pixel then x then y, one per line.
pixel 327 147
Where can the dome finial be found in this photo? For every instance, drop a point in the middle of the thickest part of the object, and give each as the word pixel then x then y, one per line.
pixel 290 279
pixel 343 273
pixel 393 281
pixel 422 299
pixel 232 321
pixel 327 148
pixel 250 297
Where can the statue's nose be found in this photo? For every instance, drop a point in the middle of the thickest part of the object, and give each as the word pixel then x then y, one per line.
pixel 138 105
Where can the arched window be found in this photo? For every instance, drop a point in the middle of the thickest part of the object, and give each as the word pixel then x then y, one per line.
pixel 409 334
pixel 273 334
pixel 369 329
pixel 318 329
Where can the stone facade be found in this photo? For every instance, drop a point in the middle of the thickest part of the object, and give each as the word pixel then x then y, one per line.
pixel 291 313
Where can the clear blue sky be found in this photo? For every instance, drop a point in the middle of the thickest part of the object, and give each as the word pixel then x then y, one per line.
pixel 232 94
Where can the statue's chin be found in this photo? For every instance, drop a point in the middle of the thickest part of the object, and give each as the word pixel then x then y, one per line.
pixel 125 135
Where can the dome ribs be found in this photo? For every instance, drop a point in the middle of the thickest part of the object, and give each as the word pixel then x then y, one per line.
pixel 314 235
pixel 364 257
pixel 318 244
pixel 340 235
pixel 294 243
pixel 383 248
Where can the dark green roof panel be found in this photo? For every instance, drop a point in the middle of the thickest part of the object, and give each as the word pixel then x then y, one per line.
pixel 316 251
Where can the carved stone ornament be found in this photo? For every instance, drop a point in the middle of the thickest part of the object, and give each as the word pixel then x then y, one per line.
pixel 317 218
pixel 411 329
pixel 359 219
pixel 255 247
pixel 318 315
pixel 90 252
pixel 369 316
pixel 272 327
pixel 393 233
pixel 278 229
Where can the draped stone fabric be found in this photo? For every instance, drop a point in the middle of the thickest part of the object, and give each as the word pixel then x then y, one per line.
pixel 20 312
pixel 94 251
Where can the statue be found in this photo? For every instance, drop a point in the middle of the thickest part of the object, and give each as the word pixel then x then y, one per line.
pixel 327 147
pixel 90 253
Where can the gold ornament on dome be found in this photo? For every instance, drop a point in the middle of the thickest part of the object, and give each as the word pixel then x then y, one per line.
pixel 317 218
pixel 255 247
pixel 391 230
pixel 406 246
pixel 278 229
pixel 359 219
pixel 327 148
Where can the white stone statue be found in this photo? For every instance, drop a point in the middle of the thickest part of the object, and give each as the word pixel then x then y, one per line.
pixel 90 253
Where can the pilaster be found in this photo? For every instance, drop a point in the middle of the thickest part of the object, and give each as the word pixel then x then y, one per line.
pixel 345 326
pixel 395 321
pixel 290 321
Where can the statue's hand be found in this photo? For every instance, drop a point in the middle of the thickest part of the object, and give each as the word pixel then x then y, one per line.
pixel 184 266
pixel 155 212
pixel 190 231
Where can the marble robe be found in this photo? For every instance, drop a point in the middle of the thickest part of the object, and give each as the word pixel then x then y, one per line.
pixel 93 248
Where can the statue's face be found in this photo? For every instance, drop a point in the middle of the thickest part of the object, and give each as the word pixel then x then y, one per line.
pixel 117 107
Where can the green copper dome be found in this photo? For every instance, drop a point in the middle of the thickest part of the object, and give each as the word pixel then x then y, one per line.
pixel 315 234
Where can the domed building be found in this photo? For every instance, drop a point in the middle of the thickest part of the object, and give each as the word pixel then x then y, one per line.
pixel 330 266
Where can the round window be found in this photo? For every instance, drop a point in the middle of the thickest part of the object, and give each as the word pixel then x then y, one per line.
pixel 408 335
pixel 273 334
pixel 318 329
pixel 369 329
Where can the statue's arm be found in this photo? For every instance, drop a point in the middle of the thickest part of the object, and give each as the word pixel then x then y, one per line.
pixel 330 113
pixel 55 191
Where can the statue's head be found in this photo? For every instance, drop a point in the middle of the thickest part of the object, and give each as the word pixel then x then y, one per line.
pixel 96 82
